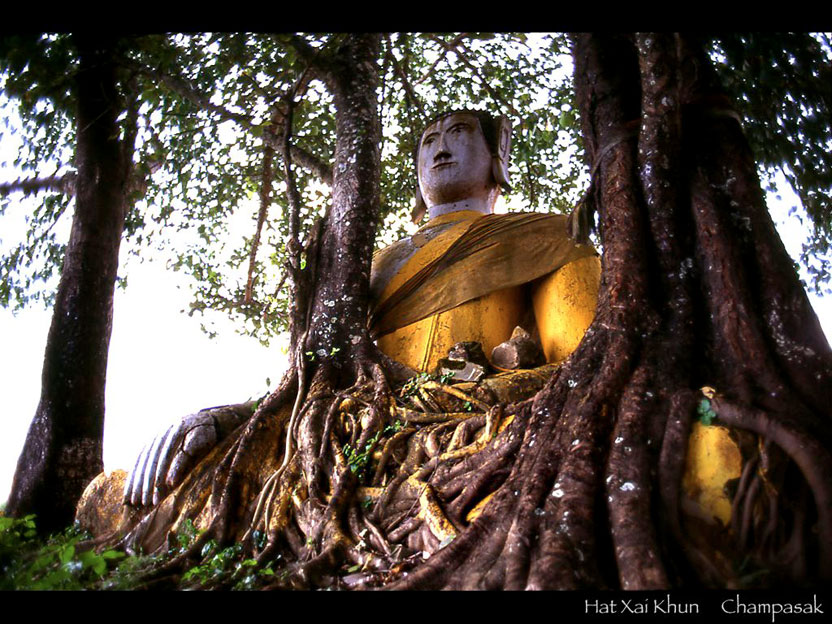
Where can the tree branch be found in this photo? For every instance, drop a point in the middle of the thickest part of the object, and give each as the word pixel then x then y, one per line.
pixel 408 90
pixel 441 57
pixel 313 57
pixel 186 90
pixel 461 54
pixel 265 196
pixel 30 186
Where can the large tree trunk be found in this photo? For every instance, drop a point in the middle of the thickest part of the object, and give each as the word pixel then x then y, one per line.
pixel 63 450
pixel 285 447
pixel 696 291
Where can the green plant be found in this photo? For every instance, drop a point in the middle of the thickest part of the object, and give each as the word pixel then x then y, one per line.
pixel 186 534
pixel 227 565
pixel 215 563
pixel 30 562
pixel 706 412
pixel 128 574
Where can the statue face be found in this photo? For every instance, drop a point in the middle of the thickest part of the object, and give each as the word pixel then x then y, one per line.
pixel 455 161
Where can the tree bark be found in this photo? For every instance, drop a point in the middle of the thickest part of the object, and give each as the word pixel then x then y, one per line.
pixel 339 307
pixel 696 290
pixel 63 449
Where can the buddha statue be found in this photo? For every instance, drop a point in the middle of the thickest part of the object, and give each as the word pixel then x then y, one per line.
pixel 468 275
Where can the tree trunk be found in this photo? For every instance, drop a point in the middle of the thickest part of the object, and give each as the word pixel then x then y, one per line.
pixel 696 291
pixel 63 449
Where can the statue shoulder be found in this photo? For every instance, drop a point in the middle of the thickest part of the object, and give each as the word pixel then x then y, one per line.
pixel 527 229
pixel 387 262
pixel 528 218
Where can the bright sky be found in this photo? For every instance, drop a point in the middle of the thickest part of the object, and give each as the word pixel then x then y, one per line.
pixel 161 367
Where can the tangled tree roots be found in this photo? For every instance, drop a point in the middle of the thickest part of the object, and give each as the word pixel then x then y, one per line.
pixel 487 486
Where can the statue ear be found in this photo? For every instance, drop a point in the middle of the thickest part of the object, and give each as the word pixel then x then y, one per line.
pixel 419 207
pixel 499 164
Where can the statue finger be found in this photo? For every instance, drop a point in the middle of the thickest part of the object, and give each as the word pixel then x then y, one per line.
pixel 138 477
pixel 200 439
pixel 178 469
pixel 166 453
pixel 130 483
pixel 153 461
pixel 199 436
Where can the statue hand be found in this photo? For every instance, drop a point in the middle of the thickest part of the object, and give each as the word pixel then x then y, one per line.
pixel 166 460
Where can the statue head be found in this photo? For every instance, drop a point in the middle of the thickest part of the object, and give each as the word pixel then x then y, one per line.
pixel 462 162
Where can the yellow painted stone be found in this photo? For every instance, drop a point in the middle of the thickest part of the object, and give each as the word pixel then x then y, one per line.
pixel 478 508
pixel 563 301
pixel 564 306
pixel 713 460
pixel 99 509
pixel 488 320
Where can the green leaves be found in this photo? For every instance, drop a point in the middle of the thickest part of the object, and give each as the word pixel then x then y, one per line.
pixel 781 84
pixel 207 102
pixel 67 553
pixel 29 562
pixel 228 563
pixel 359 459
pixel 705 412
pixel 186 535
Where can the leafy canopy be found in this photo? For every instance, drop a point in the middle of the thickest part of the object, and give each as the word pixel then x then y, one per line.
pixel 782 86
pixel 212 118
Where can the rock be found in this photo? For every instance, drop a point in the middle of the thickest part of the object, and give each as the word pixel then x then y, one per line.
pixel 465 362
pixel 519 351
pixel 469 352
pixel 100 510
pixel 460 370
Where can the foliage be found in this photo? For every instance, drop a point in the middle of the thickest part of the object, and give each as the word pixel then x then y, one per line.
pixel 221 564
pixel 705 412
pixel 782 86
pixel 211 117
pixel 209 103
pixel 411 386
pixel 359 458
pixel 29 562
pixel 58 562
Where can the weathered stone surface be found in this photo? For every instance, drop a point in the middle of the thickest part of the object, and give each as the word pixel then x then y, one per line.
pixel 469 352
pixel 461 370
pixel 200 438
pixel 100 510
pixel 519 351
pixel 465 362
pixel 713 460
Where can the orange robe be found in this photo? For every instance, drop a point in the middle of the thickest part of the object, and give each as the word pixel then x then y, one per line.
pixel 471 277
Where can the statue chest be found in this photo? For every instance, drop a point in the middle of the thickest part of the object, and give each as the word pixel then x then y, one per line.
pixel 489 320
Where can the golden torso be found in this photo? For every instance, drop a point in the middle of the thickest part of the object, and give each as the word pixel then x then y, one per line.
pixel 561 305
pixel 488 320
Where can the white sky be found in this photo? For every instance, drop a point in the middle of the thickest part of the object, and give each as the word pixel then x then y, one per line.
pixel 161 367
